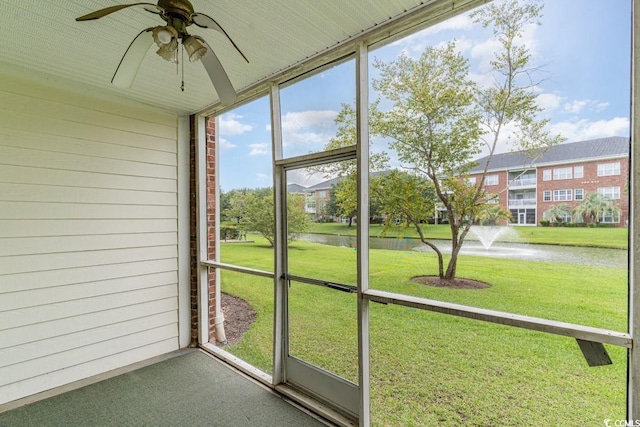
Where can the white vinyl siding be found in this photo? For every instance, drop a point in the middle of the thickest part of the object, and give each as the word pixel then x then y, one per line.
pixel 89 239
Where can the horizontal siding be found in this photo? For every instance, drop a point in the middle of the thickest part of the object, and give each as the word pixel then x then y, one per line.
pixel 81 227
pixel 88 236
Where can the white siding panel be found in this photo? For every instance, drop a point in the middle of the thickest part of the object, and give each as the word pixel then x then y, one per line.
pixel 64 376
pixel 29 175
pixel 34 141
pixel 83 163
pixel 48 245
pixel 79 275
pixel 12 192
pixel 17 355
pixel 88 236
pixel 42 331
pixel 81 227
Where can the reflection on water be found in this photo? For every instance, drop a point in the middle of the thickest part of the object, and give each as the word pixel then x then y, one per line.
pixel 616 258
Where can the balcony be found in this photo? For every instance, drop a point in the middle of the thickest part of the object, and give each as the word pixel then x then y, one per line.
pixel 519 203
pixel 523 182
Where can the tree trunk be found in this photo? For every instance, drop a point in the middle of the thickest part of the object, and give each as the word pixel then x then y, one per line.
pixel 350 221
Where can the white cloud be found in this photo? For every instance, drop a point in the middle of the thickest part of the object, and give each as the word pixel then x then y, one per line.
pixel 549 101
pixel 312 128
pixel 577 106
pixel 262 176
pixel 580 130
pixel 258 149
pixel 230 124
pixel 226 144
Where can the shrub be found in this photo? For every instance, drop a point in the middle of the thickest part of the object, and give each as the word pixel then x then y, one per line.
pixel 544 223
pixel 592 225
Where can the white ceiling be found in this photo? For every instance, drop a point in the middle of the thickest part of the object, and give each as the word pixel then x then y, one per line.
pixel 43 35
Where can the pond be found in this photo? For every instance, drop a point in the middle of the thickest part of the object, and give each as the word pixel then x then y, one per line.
pixel 600 257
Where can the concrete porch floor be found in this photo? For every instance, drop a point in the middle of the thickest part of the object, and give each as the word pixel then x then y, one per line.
pixel 191 389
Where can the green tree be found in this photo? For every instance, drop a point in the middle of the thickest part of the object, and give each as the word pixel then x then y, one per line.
pixel 405 198
pixel 254 210
pixel 493 215
pixel 557 213
pixel 346 189
pixel 595 206
pixel 441 119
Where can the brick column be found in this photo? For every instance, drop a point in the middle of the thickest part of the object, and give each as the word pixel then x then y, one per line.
pixel 211 222
pixel 193 228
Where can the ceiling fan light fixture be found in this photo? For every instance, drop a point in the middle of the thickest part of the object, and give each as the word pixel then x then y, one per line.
pixel 194 47
pixel 164 36
pixel 169 52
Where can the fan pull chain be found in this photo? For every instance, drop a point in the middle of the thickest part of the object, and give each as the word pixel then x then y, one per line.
pixel 182 50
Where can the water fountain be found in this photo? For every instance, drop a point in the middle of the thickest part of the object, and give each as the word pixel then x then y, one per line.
pixel 489 234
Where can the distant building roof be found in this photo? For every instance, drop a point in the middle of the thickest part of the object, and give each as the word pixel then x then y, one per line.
pixel 296 188
pixel 569 152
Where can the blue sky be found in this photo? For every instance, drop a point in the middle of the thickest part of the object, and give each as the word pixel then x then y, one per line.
pixel 583 46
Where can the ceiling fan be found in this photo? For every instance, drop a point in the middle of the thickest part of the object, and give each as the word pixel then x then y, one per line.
pixel 178 15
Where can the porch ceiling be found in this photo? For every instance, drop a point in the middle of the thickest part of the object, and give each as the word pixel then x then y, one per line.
pixel 43 35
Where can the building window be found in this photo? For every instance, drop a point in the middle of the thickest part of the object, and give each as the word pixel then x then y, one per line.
pixel 578 172
pixel 491 180
pixel 546 196
pixel 471 180
pixel 563 173
pixel 608 169
pixel 561 195
pixel 322 193
pixel 493 199
pixel 610 192
pixel 546 175
pixel 609 217
pixel 578 194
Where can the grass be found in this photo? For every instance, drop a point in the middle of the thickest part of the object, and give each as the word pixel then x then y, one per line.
pixel 433 369
pixel 593 237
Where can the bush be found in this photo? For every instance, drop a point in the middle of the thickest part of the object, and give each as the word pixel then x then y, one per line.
pixel 544 223
pixel 580 224
pixel 605 225
pixel 592 225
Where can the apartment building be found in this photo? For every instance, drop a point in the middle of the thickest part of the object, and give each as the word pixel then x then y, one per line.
pixel 528 186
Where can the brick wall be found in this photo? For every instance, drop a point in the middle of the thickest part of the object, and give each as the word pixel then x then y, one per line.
pixel 211 218
pixel 589 183
pixel 193 237
pixel 211 215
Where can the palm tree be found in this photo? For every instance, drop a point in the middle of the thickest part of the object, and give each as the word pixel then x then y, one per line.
pixel 594 206
pixel 557 213
pixel 493 215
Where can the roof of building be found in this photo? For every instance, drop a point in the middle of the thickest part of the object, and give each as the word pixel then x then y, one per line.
pixel 568 152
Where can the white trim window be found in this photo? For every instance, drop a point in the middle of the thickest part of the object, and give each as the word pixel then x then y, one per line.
pixel 610 192
pixel 562 195
pixel 562 173
pixel 609 217
pixel 546 196
pixel 491 180
pixel 578 172
pixel 471 180
pixel 546 175
pixel 578 194
pixel 609 169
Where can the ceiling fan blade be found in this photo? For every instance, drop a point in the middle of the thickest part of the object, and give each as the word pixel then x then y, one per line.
pixel 130 62
pixel 108 10
pixel 205 21
pixel 218 76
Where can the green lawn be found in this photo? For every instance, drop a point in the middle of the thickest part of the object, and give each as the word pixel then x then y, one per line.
pixel 432 369
pixel 595 237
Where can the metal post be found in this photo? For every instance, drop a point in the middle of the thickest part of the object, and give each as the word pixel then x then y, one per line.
pixel 280 241
pixel 633 396
pixel 362 132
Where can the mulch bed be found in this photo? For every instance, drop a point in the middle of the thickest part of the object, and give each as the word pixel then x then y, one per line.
pixel 457 283
pixel 238 317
